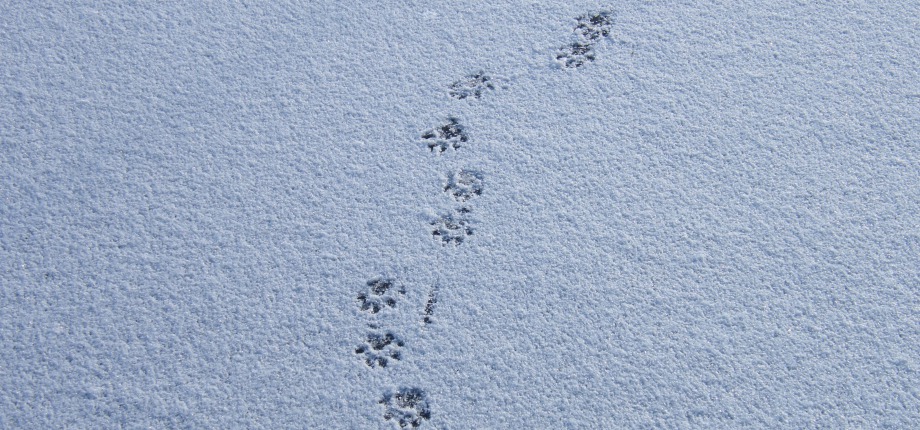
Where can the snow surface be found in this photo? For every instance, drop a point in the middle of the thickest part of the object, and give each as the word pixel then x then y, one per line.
pixel 715 224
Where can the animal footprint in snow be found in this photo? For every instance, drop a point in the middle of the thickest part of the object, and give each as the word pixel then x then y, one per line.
pixel 452 228
pixel 379 348
pixel 381 293
pixel 464 184
pixel 594 26
pixel 471 86
pixel 407 407
pixel 450 135
pixel 589 30
pixel 576 55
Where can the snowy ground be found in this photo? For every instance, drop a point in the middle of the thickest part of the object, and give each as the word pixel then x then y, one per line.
pixel 222 216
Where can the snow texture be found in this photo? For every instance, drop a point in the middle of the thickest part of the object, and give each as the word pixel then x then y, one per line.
pixel 708 218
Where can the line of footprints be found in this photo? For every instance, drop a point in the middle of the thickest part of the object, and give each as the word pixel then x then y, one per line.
pixel 382 348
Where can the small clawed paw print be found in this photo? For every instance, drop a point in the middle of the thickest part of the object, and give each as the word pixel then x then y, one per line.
pixel 593 27
pixel 471 86
pixel 408 407
pixel 589 30
pixel 379 348
pixel 576 55
pixel 450 135
pixel 381 293
pixel 464 184
pixel 452 228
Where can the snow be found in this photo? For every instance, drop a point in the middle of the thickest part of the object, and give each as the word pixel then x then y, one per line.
pixel 715 223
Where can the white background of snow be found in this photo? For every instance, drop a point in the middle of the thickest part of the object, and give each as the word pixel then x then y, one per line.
pixel 714 225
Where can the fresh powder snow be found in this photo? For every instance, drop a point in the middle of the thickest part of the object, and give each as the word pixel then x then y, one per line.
pixel 459 215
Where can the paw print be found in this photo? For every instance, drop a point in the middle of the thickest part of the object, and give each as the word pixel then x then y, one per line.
pixel 576 55
pixel 464 184
pixel 589 30
pixel 450 135
pixel 379 348
pixel 593 27
pixel 452 228
pixel 471 86
pixel 407 407
pixel 381 293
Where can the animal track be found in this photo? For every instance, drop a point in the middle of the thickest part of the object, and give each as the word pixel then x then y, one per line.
pixel 429 306
pixel 407 407
pixel 452 228
pixel 593 27
pixel 381 294
pixel 576 55
pixel 464 185
pixel 471 86
pixel 379 348
pixel 450 135
pixel 589 30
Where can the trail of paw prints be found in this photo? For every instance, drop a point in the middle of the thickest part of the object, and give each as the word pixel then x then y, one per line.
pixel 450 135
pixel 379 348
pixel 589 30
pixel 407 407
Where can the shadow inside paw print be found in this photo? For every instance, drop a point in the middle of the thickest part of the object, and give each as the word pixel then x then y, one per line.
pixel 407 407
pixel 471 86
pixel 381 294
pixel 452 228
pixel 379 348
pixel 450 135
